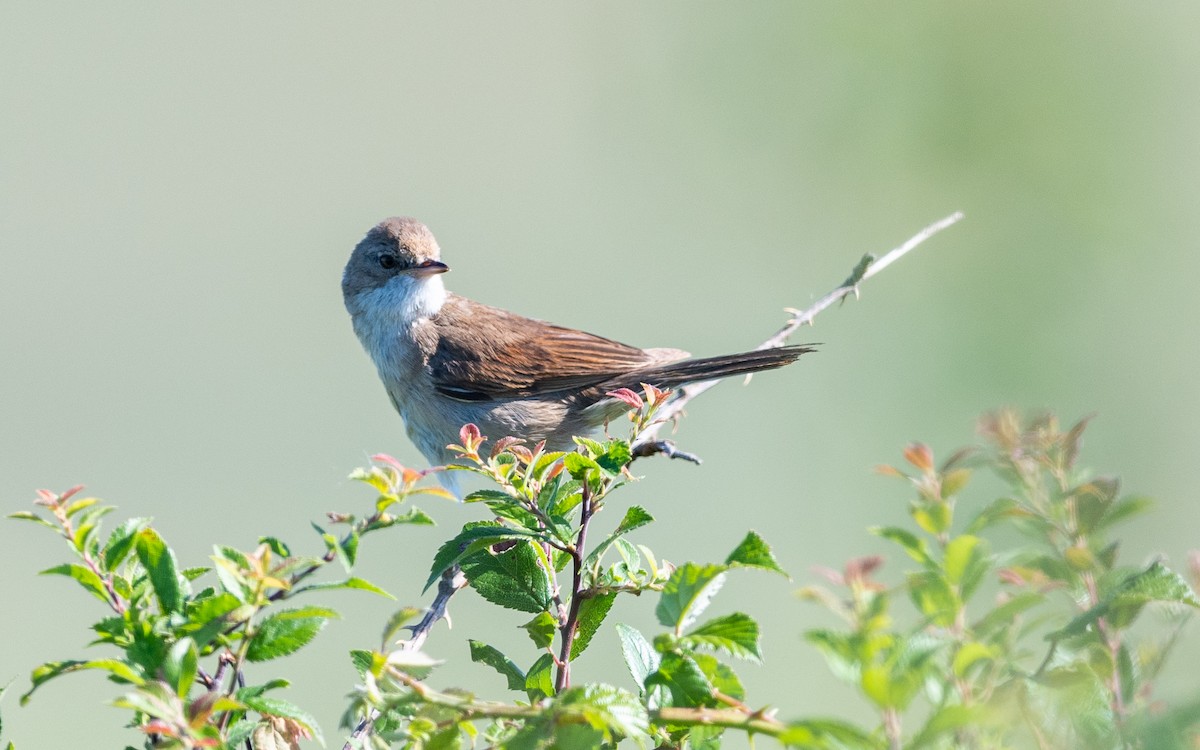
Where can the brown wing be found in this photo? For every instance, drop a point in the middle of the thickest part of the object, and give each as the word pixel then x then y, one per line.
pixel 508 355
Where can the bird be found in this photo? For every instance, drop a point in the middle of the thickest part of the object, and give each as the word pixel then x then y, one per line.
pixel 446 361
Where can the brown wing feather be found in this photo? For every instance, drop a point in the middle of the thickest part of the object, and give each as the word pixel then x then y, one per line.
pixel 521 356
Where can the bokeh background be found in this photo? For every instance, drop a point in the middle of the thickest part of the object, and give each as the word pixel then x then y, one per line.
pixel 180 187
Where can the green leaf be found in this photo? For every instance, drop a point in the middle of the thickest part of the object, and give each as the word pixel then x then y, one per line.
pixel 159 561
pixel 1127 673
pixel 278 546
pixel 539 680
pixel 594 447
pixel 614 712
pixel 147 650
pixel 955 481
pixel 1004 614
pixel 635 518
pixel 877 685
pixel 230 567
pixel 121 541
pixel 518 578
pixel 348 551
pixel 85 576
pixel 449 738
pixel 1053 566
pixel 1157 583
pixel 932 517
pixel 87 526
pixel 720 675
pixel 482 653
pixel 679 681
pixel 543 464
pixel 541 629
pixel 286 631
pixel 640 656
pixel 753 552
pixel 240 732
pixel 194 572
pixel 180 666
pixel 825 733
pixel 353 582
pixel 415 517
pixel 155 699
pixel 705 737
pixel 25 515
pixel 1093 501
pixel 996 511
pixel 208 616
pixel 505 506
pixel 564 497
pixel 1126 507
pixel 688 593
pixel 282 569
pixel 734 634
pixel 277 707
pixel 471 539
pixel 77 505
pixel 970 654
pixel 592 612
pixel 615 457
pixel 914 545
pixel 578 465
pixel 367 662
pixel 894 682
pixel 490 496
pixel 48 671
pixel 841 652
pixel 934 597
pixel 276 684
pixel 946 719
pixel 965 562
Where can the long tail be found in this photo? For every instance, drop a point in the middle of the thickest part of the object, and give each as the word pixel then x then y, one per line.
pixel 672 374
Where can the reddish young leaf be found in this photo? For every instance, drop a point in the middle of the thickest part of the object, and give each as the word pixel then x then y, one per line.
pixel 919 455
pixel 628 396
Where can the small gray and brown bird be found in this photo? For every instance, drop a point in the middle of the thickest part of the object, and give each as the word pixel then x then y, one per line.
pixel 446 360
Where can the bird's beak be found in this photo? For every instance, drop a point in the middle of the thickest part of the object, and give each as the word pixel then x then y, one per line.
pixel 429 268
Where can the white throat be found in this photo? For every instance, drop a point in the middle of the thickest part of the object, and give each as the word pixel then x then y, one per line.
pixel 419 297
pixel 402 301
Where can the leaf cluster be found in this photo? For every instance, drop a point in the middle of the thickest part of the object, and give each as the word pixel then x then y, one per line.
pixel 1030 647
pixel 178 639
pixel 539 556
pixel 975 644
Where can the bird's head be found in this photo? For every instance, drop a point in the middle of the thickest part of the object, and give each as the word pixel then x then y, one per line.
pixel 398 260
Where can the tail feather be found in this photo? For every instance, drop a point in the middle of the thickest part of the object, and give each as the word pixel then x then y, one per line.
pixel 672 374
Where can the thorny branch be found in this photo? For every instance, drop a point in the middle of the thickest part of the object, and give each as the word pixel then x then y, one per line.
pixel 867 267
pixel 452 580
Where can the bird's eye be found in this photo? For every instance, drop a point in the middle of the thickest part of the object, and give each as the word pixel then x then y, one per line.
pixel 387 260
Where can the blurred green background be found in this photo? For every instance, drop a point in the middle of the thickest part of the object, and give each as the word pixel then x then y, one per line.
pixel 180 187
